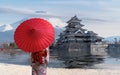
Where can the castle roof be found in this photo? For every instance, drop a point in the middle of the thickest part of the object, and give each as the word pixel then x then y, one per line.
pixel 74 19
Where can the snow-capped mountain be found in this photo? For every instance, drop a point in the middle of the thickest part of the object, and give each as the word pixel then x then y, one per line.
pixel 7 31
pixel 15 24
pixel 112 39
pixel 6 27
pixel 6 36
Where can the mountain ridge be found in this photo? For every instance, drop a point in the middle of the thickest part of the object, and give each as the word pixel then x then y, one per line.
pixel 7 35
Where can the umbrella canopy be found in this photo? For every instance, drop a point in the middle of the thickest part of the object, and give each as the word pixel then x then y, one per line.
pixel 34 35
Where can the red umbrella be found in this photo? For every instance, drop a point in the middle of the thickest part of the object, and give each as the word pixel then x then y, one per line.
pixel 34 35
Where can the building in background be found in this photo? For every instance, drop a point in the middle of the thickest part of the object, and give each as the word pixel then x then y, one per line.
pixel 79 47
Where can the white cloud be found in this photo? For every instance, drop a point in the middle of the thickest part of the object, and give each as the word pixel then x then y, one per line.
pixel 25 11
pixel 16 10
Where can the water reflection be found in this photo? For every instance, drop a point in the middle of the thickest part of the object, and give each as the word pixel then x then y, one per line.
pixel 110 59
pixel 14 57
pixel 113 50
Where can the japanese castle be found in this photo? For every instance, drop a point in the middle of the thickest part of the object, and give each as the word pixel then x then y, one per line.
pixel 77 46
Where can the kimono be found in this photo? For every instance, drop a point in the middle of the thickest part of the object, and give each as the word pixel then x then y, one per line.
pixel 39 62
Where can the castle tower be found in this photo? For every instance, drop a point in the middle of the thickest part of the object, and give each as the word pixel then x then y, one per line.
pixel 77 47
pixel 74 26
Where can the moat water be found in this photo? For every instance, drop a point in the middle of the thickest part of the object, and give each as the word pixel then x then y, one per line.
pixel 109 62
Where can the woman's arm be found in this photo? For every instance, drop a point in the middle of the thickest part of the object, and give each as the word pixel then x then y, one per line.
pixel 47 57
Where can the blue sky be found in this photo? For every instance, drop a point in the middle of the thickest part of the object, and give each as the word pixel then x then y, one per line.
pixel 101 16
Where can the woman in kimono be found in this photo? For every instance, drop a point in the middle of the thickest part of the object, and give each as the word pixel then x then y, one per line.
pixel 39 62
